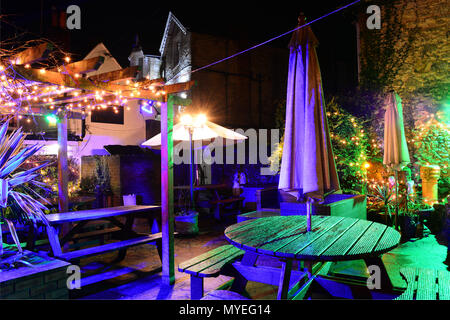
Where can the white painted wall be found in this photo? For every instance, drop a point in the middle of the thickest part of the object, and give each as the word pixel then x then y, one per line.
pixel 132 132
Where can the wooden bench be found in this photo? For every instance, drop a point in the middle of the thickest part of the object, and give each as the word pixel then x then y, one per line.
pixel 223 295
pixel 425 284
pixel 128 237
pixel 220 204
pixel 114 246
pixel 209 264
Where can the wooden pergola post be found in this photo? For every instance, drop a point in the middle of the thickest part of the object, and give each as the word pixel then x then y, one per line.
pixel 63 168
pixel 167 218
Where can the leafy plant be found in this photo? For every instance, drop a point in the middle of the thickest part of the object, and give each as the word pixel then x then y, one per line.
pixel 381 198
pixel 87 185
pixel 102 176
pixel 19 199
pixel 49 175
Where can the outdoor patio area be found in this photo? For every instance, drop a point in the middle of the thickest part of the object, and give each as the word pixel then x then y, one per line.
pixel 146 284
pixel 163 151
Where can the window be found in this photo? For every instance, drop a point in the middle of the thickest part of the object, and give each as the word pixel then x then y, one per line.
pixel 108 116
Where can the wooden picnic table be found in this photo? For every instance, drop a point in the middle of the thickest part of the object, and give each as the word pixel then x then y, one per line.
pixel 81 218
pixel 217 202
pixel 331 239
pixel 202 187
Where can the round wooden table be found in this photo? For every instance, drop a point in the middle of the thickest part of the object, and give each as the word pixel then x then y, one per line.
pixel 331 239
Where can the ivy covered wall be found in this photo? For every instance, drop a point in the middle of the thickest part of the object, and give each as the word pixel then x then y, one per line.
pixel 410 54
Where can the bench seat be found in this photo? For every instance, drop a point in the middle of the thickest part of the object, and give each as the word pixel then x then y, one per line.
pixel 223 295
pixel 209 264
pixel 425 284
pixel 74 255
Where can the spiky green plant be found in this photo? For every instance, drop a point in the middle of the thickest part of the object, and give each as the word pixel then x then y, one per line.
pixel 18 197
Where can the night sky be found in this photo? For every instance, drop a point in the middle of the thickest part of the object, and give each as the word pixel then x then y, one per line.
pixel 116 23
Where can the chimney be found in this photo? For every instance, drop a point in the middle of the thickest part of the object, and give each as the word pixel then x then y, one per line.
pixel 136 57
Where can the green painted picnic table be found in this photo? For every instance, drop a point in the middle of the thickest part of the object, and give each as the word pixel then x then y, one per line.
pixel 331 239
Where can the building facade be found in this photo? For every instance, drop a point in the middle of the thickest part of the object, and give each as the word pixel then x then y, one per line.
pixel 241 92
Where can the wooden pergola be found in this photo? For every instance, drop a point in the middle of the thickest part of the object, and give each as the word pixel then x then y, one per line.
pixel 31 87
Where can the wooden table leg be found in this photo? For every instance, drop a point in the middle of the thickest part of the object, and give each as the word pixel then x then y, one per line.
pixel 53 238
pixel 285 277
pixel 239 283
pixel 127 231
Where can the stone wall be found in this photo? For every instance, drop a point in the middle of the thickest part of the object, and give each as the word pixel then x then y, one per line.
pixel 426 68
pixel 422 80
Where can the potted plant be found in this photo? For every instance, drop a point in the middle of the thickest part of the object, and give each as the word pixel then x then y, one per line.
pixel 186 218
pixel 409 224
pixel 412 215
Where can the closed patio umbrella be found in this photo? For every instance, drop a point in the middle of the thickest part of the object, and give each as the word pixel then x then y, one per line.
pixel 307 164
pixel 396 155
pixel 195 130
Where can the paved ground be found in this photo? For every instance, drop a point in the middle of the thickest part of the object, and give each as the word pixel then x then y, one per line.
pixel 144 280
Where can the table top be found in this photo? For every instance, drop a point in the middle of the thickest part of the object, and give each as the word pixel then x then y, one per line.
pixel 201 187
pixel 331 239
pixel 95 214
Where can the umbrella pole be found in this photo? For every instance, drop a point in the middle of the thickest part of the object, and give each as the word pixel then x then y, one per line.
pixel 308 213
pixel 396 199
pixel 191 151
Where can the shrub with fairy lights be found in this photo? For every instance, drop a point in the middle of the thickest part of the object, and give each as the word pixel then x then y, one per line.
pixel 49 175
pixel 352 147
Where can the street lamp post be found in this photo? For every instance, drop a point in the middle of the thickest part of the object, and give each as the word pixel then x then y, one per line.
pixel 191 124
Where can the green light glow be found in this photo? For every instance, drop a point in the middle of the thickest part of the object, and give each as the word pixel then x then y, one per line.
pixel 445 116
pixel 51 119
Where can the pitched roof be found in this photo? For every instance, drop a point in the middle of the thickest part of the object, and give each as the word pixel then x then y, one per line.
pixel 171 19
pixel 110 63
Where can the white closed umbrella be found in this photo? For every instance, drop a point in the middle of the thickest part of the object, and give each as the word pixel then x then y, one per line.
pixel 396 154
pixel 307 164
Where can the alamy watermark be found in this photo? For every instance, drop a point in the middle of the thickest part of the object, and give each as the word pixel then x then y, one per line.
pixel 374 279
pixel 255 149
pixel 374 20
pixel 74 278
pixel 73 17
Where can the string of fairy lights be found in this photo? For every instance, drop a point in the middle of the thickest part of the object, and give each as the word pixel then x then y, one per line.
pixel 25 98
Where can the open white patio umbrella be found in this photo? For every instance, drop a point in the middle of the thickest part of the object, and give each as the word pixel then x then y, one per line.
pixel 198 129
pixel 396 155
pixel 307 165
